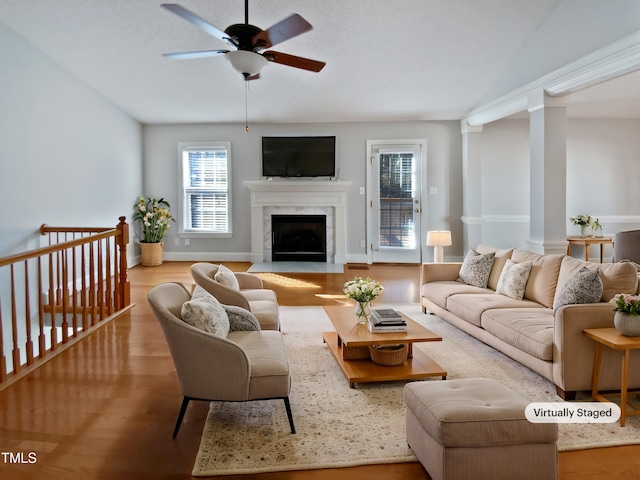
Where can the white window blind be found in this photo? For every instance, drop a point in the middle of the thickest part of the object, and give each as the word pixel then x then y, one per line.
pixel 206 187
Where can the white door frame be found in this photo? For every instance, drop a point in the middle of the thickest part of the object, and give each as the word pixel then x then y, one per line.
pixel 372 145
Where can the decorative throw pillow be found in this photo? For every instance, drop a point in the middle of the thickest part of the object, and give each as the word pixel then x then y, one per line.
pixel 584 286
pixel 226 277
pixel 513 279
pixel 203 311
pixel 241 319
pixel 476 268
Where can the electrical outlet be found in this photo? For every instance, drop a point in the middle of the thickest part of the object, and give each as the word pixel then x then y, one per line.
pixel 361 190
pixel 187 242
pixel 177 242
pixel 363 244
pixel 433 190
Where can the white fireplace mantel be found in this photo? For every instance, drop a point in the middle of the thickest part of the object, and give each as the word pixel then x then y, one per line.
pixel 298 193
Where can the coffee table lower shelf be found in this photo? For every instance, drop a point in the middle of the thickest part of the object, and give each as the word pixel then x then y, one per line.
pixel 363 371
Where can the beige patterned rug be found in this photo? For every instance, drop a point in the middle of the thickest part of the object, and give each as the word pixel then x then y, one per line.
pixel 338 426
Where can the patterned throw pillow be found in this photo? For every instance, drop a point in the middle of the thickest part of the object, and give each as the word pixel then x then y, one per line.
pixel 203 311
pixel 241 319
pixel 476 268
pixel 513 279
pixel 226 277
pixel 584 286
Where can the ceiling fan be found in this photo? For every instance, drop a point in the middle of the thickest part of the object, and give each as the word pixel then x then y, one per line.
pixel 248 41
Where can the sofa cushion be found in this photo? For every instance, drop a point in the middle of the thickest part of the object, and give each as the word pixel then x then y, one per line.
pixel 226 277
pixel 439 292
pixel 203 311
pixel 584 286
pixel 470 307
pixel 513 280
pixel 620 277
pixel 476 268
pixel 499 260
pixel 527 329
pixel 543 278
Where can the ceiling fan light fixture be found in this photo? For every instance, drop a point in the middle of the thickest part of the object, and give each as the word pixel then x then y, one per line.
pixel 247 63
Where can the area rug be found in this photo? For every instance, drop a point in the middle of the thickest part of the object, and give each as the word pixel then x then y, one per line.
pixel 338 426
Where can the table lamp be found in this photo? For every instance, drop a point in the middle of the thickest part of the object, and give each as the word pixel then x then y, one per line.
pixel 438 239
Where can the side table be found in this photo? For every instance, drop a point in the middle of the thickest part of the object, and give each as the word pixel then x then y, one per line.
pixel 615 340
pixel 586 241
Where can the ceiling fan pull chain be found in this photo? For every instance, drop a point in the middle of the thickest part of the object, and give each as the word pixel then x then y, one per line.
pixel 246 107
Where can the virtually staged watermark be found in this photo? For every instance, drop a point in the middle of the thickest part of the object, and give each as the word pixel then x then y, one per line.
pixel 572 412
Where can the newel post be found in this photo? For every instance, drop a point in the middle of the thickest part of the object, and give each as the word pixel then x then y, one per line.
pixel 124 288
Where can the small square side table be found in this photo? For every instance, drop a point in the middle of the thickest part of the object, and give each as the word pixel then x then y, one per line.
pixel 615 340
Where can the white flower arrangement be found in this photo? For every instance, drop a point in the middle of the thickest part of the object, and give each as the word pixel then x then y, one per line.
pixel 155 218
pixel 362 289
pixel 582 220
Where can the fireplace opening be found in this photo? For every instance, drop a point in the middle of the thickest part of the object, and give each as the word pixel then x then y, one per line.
pixel 300 238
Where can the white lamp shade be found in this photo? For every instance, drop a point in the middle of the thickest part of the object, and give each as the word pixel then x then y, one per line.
pixel 438 238
pixel 247 63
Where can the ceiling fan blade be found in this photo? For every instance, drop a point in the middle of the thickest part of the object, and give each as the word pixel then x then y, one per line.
pixel 200 54
pixel 199 22
pixel 281 31
pixel 293 61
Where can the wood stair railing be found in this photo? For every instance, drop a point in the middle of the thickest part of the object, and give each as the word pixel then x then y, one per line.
pixel 55 295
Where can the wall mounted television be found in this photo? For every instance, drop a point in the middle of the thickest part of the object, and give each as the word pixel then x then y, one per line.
pixel 299 156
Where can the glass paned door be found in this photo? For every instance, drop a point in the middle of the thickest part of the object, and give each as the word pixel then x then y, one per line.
pixel 396 204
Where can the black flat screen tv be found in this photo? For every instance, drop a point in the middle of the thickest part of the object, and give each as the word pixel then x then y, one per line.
pixel 299 156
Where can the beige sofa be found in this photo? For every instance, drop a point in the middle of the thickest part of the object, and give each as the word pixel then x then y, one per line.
pixel 528 330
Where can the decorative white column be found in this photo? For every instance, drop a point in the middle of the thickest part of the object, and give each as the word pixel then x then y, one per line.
pixel 548 173
pixel 303 194
pixel 471 185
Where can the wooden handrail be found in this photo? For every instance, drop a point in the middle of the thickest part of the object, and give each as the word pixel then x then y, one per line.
pixel 60 292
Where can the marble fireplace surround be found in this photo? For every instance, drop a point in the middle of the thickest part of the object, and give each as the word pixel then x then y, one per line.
pixel 298 197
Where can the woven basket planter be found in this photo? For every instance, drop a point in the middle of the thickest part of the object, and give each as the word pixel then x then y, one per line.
pixel 389 355
pixel 151 253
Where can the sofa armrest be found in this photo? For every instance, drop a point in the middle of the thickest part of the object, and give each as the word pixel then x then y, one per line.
pixel 573 351
pixel 437 272
pixel 248 281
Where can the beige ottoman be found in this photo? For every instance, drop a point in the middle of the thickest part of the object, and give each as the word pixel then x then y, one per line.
pixel 476 429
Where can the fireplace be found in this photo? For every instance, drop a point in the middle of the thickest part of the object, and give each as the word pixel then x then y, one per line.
pixel 299 238
pixel 298 197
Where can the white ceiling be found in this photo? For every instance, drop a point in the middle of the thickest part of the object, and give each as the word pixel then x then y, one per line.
pixel 387 60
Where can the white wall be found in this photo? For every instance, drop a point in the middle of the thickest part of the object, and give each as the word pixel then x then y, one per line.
pixel 602 177
pixel 505 183
pixel 68 157
pixel 443 171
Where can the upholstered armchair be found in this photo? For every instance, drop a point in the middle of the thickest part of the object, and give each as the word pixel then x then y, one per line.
pixel 244 366
pixel 626 246
pixel 242 289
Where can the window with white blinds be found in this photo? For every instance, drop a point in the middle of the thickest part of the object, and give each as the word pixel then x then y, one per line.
pixel 206 185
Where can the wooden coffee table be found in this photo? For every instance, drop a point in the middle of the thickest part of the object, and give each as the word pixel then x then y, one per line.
pixel 350 333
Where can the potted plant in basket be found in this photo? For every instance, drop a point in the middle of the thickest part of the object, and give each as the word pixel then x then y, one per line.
pixel 155 219
pixel 363 291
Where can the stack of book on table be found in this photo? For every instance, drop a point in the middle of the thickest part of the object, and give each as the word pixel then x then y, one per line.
pixel 386 320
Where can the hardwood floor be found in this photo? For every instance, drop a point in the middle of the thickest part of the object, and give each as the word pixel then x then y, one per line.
pixel 105 408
